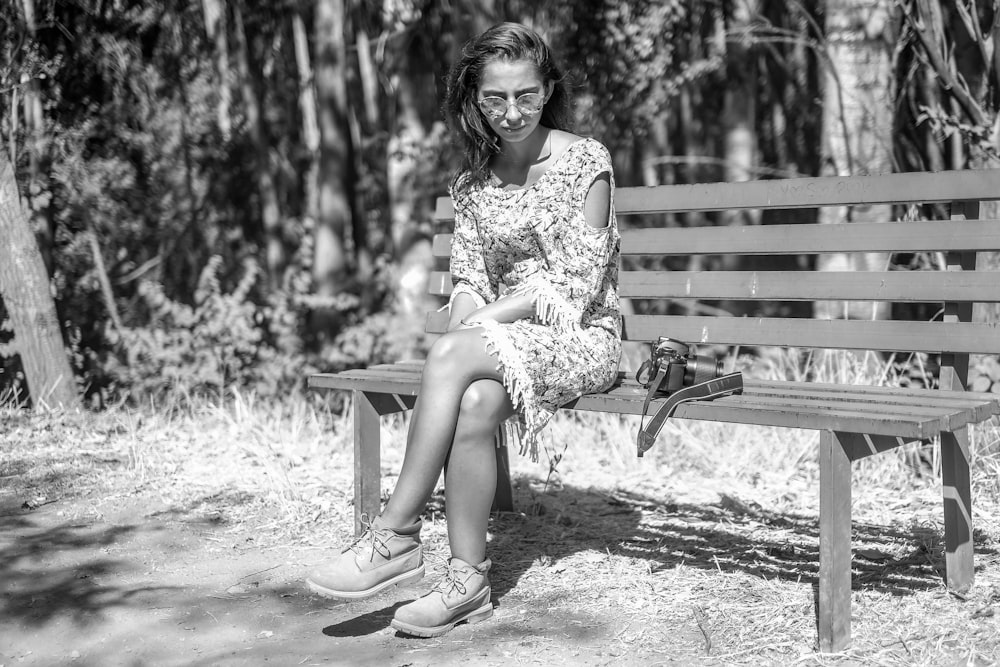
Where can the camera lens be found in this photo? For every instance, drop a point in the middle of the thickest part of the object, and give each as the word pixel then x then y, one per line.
pixel 701 368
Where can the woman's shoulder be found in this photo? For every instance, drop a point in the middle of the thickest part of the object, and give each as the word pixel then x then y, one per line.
pixel 587 149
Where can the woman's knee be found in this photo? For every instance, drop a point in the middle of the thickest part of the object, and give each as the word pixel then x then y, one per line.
pixel 459 351
pixel 484 405
pixel 445 353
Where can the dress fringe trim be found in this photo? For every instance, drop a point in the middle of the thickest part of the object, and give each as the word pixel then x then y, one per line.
pixel 516 381
pixel 551 306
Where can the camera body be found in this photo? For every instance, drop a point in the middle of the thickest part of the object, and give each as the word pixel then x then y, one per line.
pixel 683 369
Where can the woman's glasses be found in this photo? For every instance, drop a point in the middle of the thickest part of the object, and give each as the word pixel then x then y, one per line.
pixel 527 105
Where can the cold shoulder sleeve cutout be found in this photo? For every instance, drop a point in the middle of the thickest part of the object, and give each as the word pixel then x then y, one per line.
pixel 573 272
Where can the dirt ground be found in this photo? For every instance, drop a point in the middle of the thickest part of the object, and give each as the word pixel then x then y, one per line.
pixel 140 584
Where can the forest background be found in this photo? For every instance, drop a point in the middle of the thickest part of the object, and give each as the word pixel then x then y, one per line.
pixel 231 194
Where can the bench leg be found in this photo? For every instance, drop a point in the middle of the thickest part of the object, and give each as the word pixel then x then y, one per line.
pixel 957 491
pixel 834 614
pixel 367 460
pixel 503 499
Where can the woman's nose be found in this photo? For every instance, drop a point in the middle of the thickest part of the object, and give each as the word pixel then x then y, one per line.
pixel 512 109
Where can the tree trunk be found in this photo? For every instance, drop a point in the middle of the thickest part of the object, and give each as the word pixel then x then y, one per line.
pixel 216 29
pixel 267 191
pixel 24 287
pixel 310 126
pixel 414 114
pixel 37 148
pixel 739 109
pixel 336 176
pixel 857 129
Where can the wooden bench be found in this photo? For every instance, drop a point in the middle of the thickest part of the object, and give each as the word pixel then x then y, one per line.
pixel 853 421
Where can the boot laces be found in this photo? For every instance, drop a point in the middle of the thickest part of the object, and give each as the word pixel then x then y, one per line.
pixel 452 579
pixel 372 541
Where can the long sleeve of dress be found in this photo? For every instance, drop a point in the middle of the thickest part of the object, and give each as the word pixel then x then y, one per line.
pixel 468 267
pixel 575 268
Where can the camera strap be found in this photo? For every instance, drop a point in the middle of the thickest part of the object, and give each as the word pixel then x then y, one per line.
pixel 720 386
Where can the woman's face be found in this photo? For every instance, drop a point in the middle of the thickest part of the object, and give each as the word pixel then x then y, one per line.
pixel 523 92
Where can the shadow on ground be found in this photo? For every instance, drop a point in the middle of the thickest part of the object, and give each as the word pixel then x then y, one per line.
pixel 732 536
pixel 40 583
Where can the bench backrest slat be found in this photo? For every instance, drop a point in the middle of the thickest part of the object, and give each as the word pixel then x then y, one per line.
pixel 884 335
pixel 891 286
pixel 894 286
pixel 960 235
pixel 923 187
pixel 891 335
pixel 920 187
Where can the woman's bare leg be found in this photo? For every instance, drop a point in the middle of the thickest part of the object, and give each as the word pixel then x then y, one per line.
pixel 471 476
pixel 454 362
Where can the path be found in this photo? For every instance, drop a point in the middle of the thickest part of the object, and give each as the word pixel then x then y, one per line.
pixel 137 588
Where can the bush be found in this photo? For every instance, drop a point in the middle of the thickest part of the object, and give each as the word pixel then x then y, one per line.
pixel 220 341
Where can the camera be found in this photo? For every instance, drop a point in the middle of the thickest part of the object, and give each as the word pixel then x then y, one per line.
pixel 682 369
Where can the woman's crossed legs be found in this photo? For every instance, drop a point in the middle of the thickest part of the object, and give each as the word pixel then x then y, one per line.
pixel 461 403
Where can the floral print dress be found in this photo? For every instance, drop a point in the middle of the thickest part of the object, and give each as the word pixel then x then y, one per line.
pixel 535 241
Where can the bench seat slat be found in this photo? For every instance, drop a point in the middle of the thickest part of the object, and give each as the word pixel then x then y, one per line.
pixel 887 335
pixel 791 405
pixel 948 417
pixel 982 405
pixel 738 410
pixel 985 404
pixel 377 382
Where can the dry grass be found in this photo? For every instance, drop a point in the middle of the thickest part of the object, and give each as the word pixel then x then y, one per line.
pixel 702 552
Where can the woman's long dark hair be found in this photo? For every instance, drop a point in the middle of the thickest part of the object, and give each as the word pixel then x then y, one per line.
pixel 506 42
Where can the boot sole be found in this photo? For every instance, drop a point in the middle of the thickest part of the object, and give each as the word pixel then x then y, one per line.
pixel 399 580
pixel 474 616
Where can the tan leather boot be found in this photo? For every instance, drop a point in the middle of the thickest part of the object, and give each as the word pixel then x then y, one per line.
pixel 380 558
pixel 462 594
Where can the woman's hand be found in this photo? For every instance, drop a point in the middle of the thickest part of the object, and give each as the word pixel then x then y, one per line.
pixel 506 309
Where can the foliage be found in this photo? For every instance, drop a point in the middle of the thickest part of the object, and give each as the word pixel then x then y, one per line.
pixel 382 337
pixel 629 57
pixel 985 374
pixel 133 166
pixel 222 341
pixel 948 85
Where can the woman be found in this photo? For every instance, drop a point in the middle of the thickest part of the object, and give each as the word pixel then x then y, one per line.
pixel 534 321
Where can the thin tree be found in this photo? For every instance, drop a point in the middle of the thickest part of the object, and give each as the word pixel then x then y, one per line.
pixel 267 189
pixel 307 107
pixel 36 138
pixel 216 30
pixel 336 178
pixel 857 127
pixel 24 287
